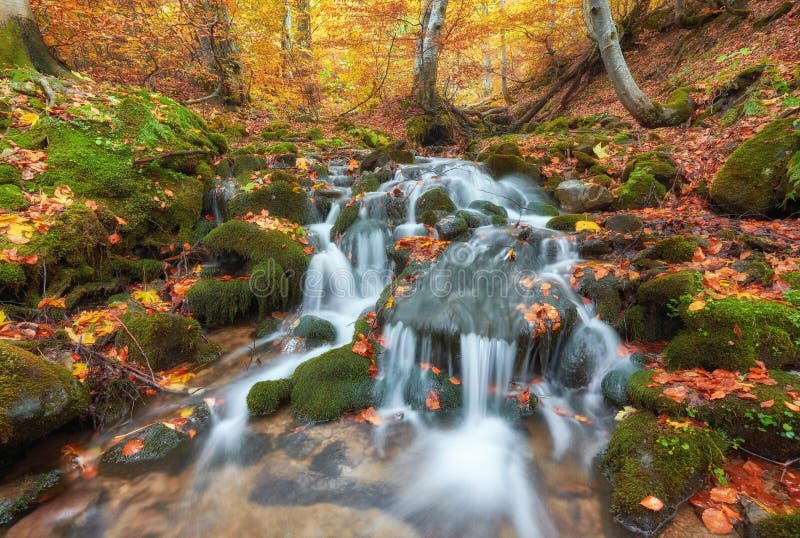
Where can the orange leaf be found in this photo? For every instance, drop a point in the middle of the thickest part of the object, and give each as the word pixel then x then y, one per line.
pixel 676 394
pixel 369 415
pixel 455 381
pixel 432 401
pixel 132 447
pixel 791 406
pixel 724 495
pixel 767 404
pixel 716 521
pixel 652 503
pixel 114 238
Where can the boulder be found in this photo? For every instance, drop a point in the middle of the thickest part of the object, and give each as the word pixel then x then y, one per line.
pixel 21 496
pixel 451 227
pixel 315 330
pixel 156 447
pixel 579 196
pixel 36 397
pixel 394 152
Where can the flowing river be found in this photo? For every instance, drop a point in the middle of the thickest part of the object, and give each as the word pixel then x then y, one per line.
pixel 483 471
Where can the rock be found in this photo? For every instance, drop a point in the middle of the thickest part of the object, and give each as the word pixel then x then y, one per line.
pixel 506 159
pixel 451 227
pixel 754 180
pixel 756 271
pixel 21 496
pixel 315 330
pixel 594 247
pixel 395 152
pixel 489 208
pixel 580 197
pixel 624 223
pixel 434 200
pixel 156 447
pixel 615 383
pixel 166 339
pixel 585 161
pixel 265 397
pixel 566 223
pixel 244 165
pixel 36 397
pixel 475 218
pixel 642 190
pixel 656 163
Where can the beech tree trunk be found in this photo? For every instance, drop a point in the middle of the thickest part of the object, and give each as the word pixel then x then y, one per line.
pixel 426 64
pixel 504 61
pixel 604 32
pixel 21 43
pixel 287 39
pixel 221 51
pixel 488 79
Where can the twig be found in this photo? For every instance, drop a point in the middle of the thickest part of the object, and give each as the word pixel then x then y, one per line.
pixel 130 370
pixel 169 154
pixel 138 346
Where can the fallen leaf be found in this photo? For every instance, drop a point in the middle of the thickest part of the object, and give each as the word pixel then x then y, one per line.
pixel 767 404
pixel 652 503
pixel 716 521
pixel 133 447
pixel 432 402
pixel 724 495
pixel 696 306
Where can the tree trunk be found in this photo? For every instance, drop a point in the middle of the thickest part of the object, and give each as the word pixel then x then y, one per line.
pixel 287 40
pixel 680 12
pixel 504 61
pixel 221 51
pixel 304 31
pixel 487 82
pixel 602 30
pixel 21 43
pixel 427 64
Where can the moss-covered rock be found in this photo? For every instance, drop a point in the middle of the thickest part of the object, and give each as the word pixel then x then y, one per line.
pixel 434 200
pixel 166 339
pixel 239 242
pixel 506 159
pixel 218 303
pixel 11 198
pixel 566 223
pixel 160 448
pixel 265 397
pixel 346 218
pixel 624 223
pixel 614 385
pixel 9 175
pixel 36 397
pixel 769 332
pixel 781 525
pixel 315 330
pixel 675 249
pixel 640 191
pixel 331 385
pixel 645 458
pixel 665 292
pixel 606 294
pixel 754 179
pixel 769 431
pixel 12 279
pixel 489 208
pixel 658 164
pixel 395 152
pixel 756 271
pixel 21 496
pixel 431 129
pixel 145 270
pixel 280 198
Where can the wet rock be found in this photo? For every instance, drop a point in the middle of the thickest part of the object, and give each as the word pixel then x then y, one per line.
pixel 756 271
pixel 474 218
pixel 395 152
pixel 166 339
pixel 265 397
pixel 615 383
pixel 656 163
pixel 579 196
pixel 594 247
pixel 36 397
pixel 21 496
pixel 243 165
pixel 157 447
pixel 434 200
pixel 315 330
pixel 451 228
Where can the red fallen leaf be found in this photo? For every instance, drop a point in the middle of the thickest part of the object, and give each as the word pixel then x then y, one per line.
pixel 717 395
pixel 120 220
pixel 747 396
pixel 701 500
pixel 435 370
pixel 727 495
pixel 791 406
pixel 767 404
pixel 373 370
pixel 114 238
pixel 370 416
pixel 91 204
pixel 676 394
pixel 732 513
pixel 652 503
pixel 363 347
pixel 753 468
pixel 737 331
pixel 699 256
pixel 455 381
pixel 432 401
pixel 716 521
pixel 133 447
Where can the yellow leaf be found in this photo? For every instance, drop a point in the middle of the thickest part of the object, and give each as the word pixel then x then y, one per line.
pixel 697 305
pixel 586 226
pixel 146 296
pixel 3 318
pixel 87 339
pixel 79 369
pixel 29 118
pixel 600 151
pixel 302 164
pixel 63 194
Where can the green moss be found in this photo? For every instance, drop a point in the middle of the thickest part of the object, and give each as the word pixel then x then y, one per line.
pixel 265 397
pixel 145 270
pixel 782 10
pixel 218 303
pixel 24 494
pixel 657 164
pixel 645 458
pixel 36 397
pixel 251 245
pixel 161 446
pixel 757 270
pixel 754 178
pixel 13 52
pixel 166 339
pixel 347 217
pixel 488 208
pixel 502 165
pixel 606 294
pixel 280 198
pixel 769 332
pixel 315 330
pixel 284 148
pixel 431 129
pixel 11 198
pixel 640 191
pixel 781 525
pixel 677 109
pixel 793 279
pixel 331 385
pixel 675 249
pixel 208 352
pixel 9 175
pixel 666 291
pixel 769 431
pixel 366 183
pixel 435 200
pixel 557 125
pixel 566 223
pixel 220 142
pixel 395 152
pixel 12 278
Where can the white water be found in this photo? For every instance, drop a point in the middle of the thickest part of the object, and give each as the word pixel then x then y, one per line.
pixel 478 474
